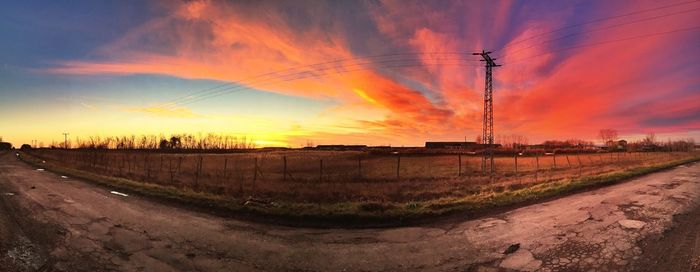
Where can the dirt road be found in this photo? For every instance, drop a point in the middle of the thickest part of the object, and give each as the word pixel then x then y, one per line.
pixel 51 223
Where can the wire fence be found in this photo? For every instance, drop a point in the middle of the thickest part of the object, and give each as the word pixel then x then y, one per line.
pixel 329 176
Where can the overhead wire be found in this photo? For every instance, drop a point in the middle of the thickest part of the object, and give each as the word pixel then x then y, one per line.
pixel 401 64
pixel 291 69
pixel 275 76
pixel 600 29
pixel 609 41
pixel 595 21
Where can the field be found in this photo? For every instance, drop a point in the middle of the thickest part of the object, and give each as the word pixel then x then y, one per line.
pixel 301 176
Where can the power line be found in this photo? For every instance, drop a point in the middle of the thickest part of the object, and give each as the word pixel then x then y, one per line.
pixel 227 87
pixel 242 88
pixel 609 41
pixel 307 74
pixel 602 28
pixel 596 21
pixel 488 112
pixel 65 141
pixel 276 73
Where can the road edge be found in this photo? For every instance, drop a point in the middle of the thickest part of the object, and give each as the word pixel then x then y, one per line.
pixel 349 215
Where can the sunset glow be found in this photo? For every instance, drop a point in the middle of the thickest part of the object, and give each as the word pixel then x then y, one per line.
pixel 349 72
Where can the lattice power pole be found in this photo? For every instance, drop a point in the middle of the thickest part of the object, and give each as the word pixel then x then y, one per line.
pixel 65 140
pixel 487 137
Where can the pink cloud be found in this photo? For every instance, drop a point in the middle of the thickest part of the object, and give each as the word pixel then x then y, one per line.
pixel 553 94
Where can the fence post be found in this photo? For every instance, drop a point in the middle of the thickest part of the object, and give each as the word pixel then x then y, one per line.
pixel 580 165
pixel 537 165
pixel 359 167
pixel 284 168
pixel 225 168
pixel 515 158
pixel 146 169
pixel 554 155
pixel 170 169
pixel 567 161
pixel 255 174
pixel 398 165
pixel 459 169
pixel 198 168
pixel 320 170
pixel 121 165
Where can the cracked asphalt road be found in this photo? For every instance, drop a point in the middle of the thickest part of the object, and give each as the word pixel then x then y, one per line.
pixel 54 224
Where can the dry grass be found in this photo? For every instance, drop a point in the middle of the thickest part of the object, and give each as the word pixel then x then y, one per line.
pixel 352 202
pixel 345 176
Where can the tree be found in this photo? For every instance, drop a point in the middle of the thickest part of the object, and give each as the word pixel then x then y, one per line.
pixel 649 139
pixel 608 136
pixel 164 144
pixel 175 142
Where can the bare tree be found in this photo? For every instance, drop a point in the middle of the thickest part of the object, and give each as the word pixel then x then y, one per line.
pixel 649 139
pixel 608 136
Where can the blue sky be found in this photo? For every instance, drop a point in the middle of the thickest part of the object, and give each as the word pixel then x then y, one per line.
pixel 114 67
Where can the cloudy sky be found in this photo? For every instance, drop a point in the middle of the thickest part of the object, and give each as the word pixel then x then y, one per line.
pixel 356 72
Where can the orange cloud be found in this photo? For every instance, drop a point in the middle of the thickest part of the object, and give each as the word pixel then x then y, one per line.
pixel 540 91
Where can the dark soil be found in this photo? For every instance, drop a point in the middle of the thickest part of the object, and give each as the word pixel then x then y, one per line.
pixel 677 249
pixel 24 242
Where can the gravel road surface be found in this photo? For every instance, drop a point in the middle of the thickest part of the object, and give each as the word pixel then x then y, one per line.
pixel 54 223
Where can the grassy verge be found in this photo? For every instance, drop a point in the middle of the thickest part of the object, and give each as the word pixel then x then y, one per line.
pixel 356 214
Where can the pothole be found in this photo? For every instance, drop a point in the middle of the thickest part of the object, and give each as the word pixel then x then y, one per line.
pixel 24 255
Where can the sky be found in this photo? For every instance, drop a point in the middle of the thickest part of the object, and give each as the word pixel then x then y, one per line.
pixel 395 72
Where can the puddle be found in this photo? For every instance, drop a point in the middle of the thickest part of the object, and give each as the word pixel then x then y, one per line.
pixel 40 169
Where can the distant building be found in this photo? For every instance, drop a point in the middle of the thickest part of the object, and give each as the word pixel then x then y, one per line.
pixel 341 147
pixel 458 145
pixel 535 146
pixel 450 144
pixel 616 145
pixel 274 148
pixel 622 145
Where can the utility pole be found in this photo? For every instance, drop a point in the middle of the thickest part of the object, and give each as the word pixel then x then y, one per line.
pixel 65 140
pixel 487 137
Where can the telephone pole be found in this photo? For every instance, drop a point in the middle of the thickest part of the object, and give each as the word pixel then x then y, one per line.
pixel 65 140
pixel 487 137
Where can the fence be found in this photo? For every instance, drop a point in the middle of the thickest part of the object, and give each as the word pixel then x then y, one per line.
pixel 349 175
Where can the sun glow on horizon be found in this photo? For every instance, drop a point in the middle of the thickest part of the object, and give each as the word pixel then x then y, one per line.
pixel 291 76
